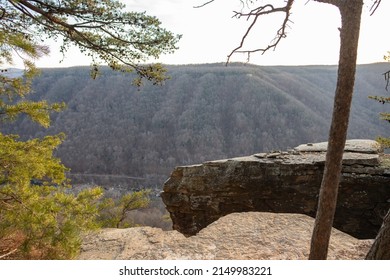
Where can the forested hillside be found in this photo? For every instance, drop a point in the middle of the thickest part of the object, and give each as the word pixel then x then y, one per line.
pixel 204 112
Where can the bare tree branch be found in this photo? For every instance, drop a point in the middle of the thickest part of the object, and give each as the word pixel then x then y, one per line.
pixel 255 14
pixel 373 9
pixel 204 4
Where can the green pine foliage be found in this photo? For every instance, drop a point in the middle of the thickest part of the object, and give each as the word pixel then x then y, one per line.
pixel 113 213
pixel 101 29
pixel 35 203
pixel 15 90
pixel 40 217
pixel 35 221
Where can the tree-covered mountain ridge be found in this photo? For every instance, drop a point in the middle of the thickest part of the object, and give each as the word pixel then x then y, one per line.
pixel 203 112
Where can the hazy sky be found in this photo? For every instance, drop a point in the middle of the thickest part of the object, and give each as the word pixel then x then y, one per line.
pixel 210 33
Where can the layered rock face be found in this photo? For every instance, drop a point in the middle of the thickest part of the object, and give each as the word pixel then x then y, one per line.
pixel 282 182
pixel 242 236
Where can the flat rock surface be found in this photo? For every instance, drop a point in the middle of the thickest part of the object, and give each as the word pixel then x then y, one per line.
pixel 353 145
pixel 349 158
pixel 253 235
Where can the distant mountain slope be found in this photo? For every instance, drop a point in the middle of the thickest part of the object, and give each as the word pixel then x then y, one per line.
pixel 203 112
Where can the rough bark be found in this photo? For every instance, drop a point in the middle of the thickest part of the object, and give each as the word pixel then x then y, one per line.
pixel 349 35
pixel 380 250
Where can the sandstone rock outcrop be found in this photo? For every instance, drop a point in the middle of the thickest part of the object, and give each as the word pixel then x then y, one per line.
pixel 282 182
pixel 251 235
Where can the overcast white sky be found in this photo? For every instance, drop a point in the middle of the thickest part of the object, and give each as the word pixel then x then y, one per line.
pixel 210 33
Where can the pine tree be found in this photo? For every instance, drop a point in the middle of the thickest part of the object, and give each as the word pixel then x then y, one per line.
pixel 39 217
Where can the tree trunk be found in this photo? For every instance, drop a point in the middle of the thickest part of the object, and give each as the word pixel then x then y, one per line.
pixel 380 250
pixel 349 35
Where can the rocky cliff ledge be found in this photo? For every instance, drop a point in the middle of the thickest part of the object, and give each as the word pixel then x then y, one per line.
pixel 243 236
pixel 282 182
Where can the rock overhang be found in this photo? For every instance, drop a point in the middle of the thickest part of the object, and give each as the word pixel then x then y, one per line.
pixel 281 181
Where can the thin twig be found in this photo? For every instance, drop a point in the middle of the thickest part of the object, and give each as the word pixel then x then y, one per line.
pixel 9 253
pixel 204 4
pixel 375 6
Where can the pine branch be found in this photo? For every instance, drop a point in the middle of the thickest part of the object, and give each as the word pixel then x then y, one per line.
pixel 380 99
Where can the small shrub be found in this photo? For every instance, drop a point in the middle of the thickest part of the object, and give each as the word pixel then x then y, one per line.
pixel 113 213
